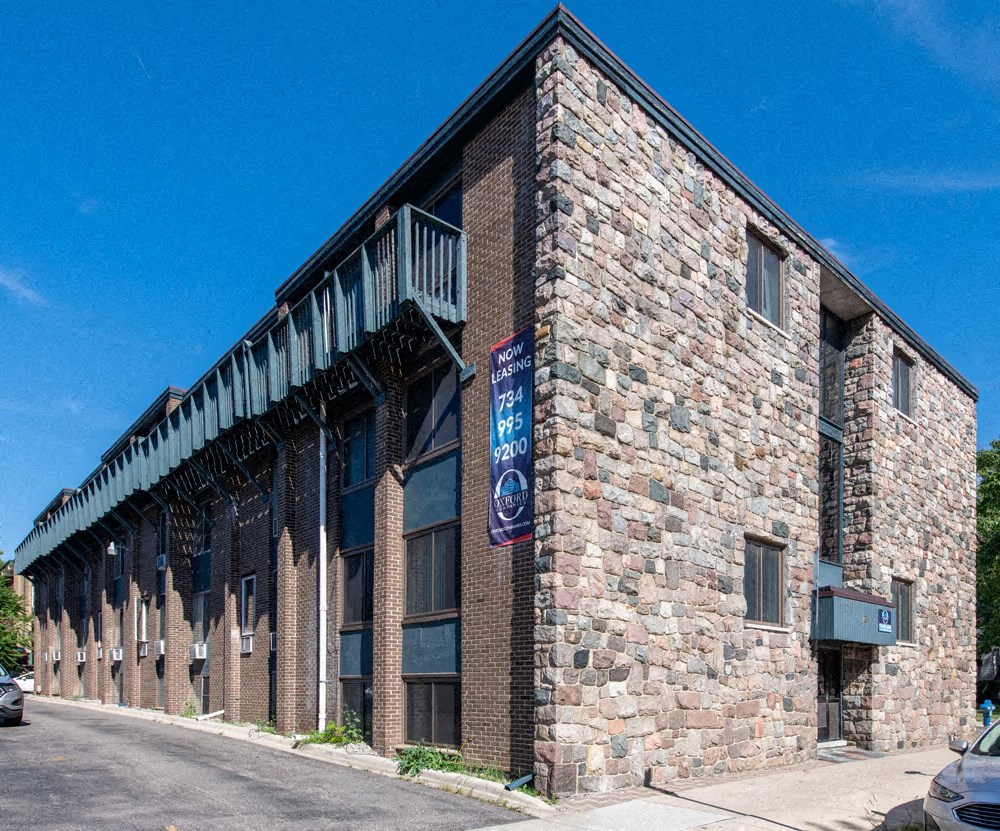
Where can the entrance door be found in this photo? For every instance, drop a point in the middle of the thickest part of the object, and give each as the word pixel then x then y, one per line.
pixel 828 723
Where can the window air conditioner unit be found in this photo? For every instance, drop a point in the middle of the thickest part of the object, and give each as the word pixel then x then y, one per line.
pixel 100 652
pixel 143 649
pixel 198 651
pixel 246 644
pixel 274 641
pixel 116 653
pixel 160 647
pixel 161 562
pixel 81 656
pixel 56 656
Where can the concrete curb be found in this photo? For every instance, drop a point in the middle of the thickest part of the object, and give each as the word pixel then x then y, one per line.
pixel 481 789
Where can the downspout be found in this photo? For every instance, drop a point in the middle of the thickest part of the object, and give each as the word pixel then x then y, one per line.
pixel 322 578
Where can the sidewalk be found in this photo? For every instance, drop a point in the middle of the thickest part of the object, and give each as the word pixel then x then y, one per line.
pixel 874 793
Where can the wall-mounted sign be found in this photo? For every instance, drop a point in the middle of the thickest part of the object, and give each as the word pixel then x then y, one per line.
pixel 512 474
pixel 885 620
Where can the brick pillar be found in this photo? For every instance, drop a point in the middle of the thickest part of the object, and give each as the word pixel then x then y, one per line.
pixel 231 618
pixel 105 589
pixel 176 666
pixel 290 681
pixel 387 636
pixel 94 600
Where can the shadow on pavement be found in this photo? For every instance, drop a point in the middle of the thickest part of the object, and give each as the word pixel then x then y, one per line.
pixel 906 815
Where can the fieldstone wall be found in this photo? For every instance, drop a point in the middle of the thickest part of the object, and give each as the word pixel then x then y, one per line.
pixel 673 425
pixel 910 514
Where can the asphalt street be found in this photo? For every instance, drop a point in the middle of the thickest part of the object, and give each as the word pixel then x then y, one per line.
pixel 72 769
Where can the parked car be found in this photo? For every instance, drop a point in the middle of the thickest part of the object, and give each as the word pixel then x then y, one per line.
pixel 11 698
pixel 965 796
pixel 26 682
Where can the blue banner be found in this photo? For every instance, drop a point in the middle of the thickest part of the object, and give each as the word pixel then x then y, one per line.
pixel 512 473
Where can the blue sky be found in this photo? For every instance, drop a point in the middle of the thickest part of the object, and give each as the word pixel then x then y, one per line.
pixel 166 166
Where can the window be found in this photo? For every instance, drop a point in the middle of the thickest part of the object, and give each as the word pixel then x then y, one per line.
pixel 99 626
pixel 447 204
pixel 832 348
pixel 248 605
pixel 763 279
pixel 762 582
pixel 359 449
pixel 357 705
pixel 161 535
pixel 200 618
pixel 141 620
pixel 432 572
pixel 902 390
pixel 358 582
pixel 902 596
pixel 434 712
pixel 432 411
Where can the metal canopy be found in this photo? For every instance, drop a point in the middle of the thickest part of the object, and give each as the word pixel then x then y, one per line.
pixel 412 260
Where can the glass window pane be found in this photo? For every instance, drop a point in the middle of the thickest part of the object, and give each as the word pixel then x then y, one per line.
pixel 418 712
pixel 354 590
pixel 447 714
pixel 770 585
pixel 751 580
pixel 369 584
pixel 418 575
pixel 355 462
pixel 446 591
pixel 772 286
pixel 448 206
pixel 445 406
pixel 370 444
pixel 753 273
pixel 833 339
pixel 419 424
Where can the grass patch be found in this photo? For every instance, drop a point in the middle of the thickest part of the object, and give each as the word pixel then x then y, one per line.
pixel 347 733
pixel 189 711
pixel 417 758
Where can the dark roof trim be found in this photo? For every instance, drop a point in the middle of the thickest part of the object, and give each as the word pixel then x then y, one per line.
pixel 151 416
pixel 560 22
pixel 56 502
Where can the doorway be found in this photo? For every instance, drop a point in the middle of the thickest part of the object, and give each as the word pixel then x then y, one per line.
pixel 830 672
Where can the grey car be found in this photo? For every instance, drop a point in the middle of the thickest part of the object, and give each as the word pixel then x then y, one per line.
pixel 11 699
pixel 965 796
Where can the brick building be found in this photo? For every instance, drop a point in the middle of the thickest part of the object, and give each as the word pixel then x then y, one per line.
pixel 753 485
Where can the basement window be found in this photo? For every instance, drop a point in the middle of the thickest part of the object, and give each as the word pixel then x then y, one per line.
pixel 434 712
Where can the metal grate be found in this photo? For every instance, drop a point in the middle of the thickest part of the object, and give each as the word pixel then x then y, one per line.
pixel 980 814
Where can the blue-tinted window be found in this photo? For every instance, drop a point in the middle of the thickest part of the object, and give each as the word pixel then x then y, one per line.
pixel 358 582
pixel 359 449
pixel 432 411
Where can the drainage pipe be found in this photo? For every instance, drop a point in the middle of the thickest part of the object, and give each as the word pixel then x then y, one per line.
pixel 322 579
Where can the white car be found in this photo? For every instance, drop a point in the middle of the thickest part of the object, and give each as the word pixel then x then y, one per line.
pixel 965 796
pixel 26 682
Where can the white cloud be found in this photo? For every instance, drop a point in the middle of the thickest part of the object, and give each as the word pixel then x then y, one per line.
pixel 839 250
pixel 14 282
pixel 934 182
pixel 969 47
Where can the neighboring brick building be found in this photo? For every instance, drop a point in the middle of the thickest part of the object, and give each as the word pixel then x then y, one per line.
pixel 754 486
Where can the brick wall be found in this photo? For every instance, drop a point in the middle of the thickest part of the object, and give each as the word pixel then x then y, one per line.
pixel 498 196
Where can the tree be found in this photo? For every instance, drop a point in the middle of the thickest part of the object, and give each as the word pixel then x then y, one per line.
pixel 988 554
pixel 15 625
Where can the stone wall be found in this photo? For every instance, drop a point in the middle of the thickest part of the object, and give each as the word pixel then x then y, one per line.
pixel 674 425
pixel 910 514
